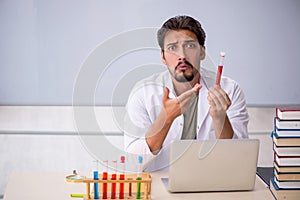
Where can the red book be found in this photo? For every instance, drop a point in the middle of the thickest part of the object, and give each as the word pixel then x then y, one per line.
pixel 288 113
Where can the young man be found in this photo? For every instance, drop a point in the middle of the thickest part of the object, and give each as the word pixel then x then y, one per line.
pixel 183 102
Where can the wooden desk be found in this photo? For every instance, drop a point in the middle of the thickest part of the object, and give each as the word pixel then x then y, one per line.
pixel 36 186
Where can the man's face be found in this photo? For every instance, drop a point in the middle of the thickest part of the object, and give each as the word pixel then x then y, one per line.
pixel 182 54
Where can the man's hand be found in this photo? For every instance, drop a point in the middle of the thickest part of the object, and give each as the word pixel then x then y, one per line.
pixel 219 103
pixel 175 107
pixel 172 108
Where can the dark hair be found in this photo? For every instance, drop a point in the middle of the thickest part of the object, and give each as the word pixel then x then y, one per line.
pixel 178 23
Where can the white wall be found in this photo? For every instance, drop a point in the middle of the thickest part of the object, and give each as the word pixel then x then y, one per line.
pixel 44 44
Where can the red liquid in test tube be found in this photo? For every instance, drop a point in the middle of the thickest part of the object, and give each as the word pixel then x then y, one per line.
pixel 104 191
pixel 130 188
pixel 122 177
pixel 114 185
pixel 220 69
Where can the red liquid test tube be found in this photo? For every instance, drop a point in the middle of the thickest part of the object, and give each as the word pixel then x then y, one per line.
pixel 220 69
pixel 104 189
pixel 130 188
pixel 122 177
pixel 105 177
pixel 114 185
pixel 219 74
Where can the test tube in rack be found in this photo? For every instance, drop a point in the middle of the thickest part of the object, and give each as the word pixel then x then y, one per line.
pixel 122 177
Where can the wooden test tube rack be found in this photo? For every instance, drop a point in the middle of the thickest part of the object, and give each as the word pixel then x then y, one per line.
pixel 129 179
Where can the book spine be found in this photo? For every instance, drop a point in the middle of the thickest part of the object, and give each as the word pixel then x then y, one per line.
pixel 275 123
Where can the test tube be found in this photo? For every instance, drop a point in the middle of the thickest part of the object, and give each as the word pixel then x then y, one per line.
pixel 220 68
pixel 139 177
pixel 96 177
pixel 113 185
pixel 130 188
pixel 104 177
pixel 122 177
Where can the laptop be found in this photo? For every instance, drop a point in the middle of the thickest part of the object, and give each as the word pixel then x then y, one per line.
pixel 212 165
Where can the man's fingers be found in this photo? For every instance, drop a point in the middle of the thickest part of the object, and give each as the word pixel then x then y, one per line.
pixel 219 97
pixel 222 96
pixel 184 99
pixel 225 96
pixel 166 94
pixel 190 93
pixel 214 98
pixel 197 87
pixel 210 101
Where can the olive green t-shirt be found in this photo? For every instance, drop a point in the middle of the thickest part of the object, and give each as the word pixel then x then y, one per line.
pixel 190 120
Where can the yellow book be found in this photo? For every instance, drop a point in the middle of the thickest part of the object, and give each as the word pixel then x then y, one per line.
pixel 286 141
pixel 287 176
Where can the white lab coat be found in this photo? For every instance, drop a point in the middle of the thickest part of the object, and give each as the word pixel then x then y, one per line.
pixel 145 103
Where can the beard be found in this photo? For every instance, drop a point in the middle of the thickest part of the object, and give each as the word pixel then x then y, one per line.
pixel 185 76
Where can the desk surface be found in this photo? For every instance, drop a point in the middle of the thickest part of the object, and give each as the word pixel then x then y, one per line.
pixel 36 186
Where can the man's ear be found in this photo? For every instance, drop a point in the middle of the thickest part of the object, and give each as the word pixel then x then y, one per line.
pixel 203 52
pixel 162 54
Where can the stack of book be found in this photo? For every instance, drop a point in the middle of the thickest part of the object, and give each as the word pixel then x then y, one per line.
pixel 285 184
